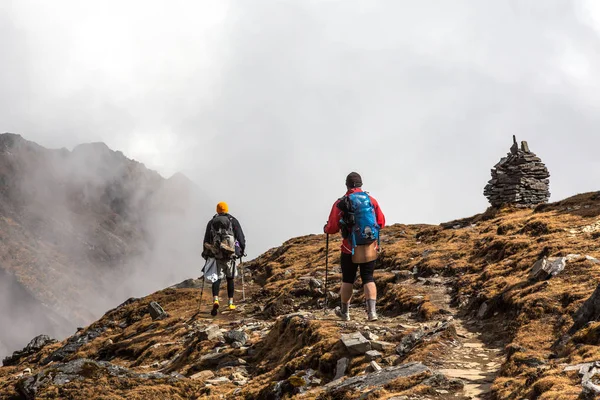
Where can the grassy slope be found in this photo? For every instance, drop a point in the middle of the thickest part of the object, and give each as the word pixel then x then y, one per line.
pixel 489 258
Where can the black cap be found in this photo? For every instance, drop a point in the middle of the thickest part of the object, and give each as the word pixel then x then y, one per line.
pixel 353 180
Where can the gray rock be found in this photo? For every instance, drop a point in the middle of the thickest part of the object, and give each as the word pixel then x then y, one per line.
pixel 592 259
pixel 156 311
pixel 35 345
pixel 381 345
pixel 73 344
pixel 340 368
pixel 549 267
pixel 77 370
pixel 376 379
pixel 483 309
pixel 218 381
pixel 373 355
pixel 211 332
pixel 356 343
pixel 370 336
pixel 315 284
pixel 410 341
pixel 236 336
pixel 374 366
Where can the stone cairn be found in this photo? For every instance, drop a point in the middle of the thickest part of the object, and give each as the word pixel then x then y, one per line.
pixel 520 179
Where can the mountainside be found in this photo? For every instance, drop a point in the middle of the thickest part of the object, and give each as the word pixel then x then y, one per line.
pixel 80 230
pixel 499 305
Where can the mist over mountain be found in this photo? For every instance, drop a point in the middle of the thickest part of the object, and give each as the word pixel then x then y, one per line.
pixel 84 230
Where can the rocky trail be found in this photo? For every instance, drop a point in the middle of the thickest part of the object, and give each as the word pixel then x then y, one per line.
pixel 489 307
pixel 472 354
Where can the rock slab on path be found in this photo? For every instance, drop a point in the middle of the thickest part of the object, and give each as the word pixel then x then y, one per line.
pixel 377 379
pixel 356 343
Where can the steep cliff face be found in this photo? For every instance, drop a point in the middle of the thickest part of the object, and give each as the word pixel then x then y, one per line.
pixel 498 305
pixel 82 230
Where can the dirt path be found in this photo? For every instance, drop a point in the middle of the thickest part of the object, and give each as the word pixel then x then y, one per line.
pixel 476 356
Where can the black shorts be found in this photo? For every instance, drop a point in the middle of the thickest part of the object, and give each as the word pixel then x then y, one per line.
pixel 349 270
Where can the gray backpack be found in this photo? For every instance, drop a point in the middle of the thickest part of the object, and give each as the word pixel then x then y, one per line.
pixel 223 237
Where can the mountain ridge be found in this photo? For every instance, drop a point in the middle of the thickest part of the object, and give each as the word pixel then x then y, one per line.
pixel 79 227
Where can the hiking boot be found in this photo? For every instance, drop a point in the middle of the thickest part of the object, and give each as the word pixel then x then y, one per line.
pixel 372 316
pixel 343 316
pixel 213 312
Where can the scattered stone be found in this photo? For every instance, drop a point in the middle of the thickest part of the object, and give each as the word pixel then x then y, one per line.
pixel 381 345
pixel 27 371
pixel 483 309
pixel 587 371
pixel 73 344
pixel 373 355
pixel 592 259
pixel 548 267
pixel 156 311
pixel 340 368
pixel 374 366
pixel 77 370
pixel 218 381
pixel 410 341
pixel 370 336
pixel 377 379
pixel 203 375
pixel 236 336
pixel 34 346
pixel 315 284
pixel 211 332
pixel 356 343
pixel 520 179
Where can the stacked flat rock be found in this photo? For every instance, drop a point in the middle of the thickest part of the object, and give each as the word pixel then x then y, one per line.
pixel 519 179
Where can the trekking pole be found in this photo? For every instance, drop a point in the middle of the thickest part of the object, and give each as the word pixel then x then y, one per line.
pixel 326 267
pixel 243 285
pixel 202 290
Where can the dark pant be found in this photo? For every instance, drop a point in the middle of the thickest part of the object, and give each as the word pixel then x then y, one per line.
pixel 217 285
pixel 349 270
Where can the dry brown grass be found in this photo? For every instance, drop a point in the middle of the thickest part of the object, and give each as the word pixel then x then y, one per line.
pixel 488 258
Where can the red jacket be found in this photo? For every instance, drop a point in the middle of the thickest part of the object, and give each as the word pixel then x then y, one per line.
pixel 333 223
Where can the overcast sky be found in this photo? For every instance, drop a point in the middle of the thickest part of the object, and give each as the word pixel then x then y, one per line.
pixel 269 104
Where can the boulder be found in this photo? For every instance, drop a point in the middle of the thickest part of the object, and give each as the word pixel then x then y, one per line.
pixel 377 379
pixel 340 368
pixel 211 332
pixel 73 344
pixel 373 355
pixel 548 267
pixel 156 311
pixel 356 343
pixel 35 345
pixel 236 336
pixel 374 366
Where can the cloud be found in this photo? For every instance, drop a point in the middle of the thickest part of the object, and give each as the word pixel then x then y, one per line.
pixel 269 104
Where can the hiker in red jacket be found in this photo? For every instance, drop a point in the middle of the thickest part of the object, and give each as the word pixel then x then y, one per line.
pixel 350 267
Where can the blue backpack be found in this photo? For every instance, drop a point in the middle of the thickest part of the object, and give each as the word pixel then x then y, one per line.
pixel 359 222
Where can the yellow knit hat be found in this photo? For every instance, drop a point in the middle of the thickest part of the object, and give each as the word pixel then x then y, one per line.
pixel 222 208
